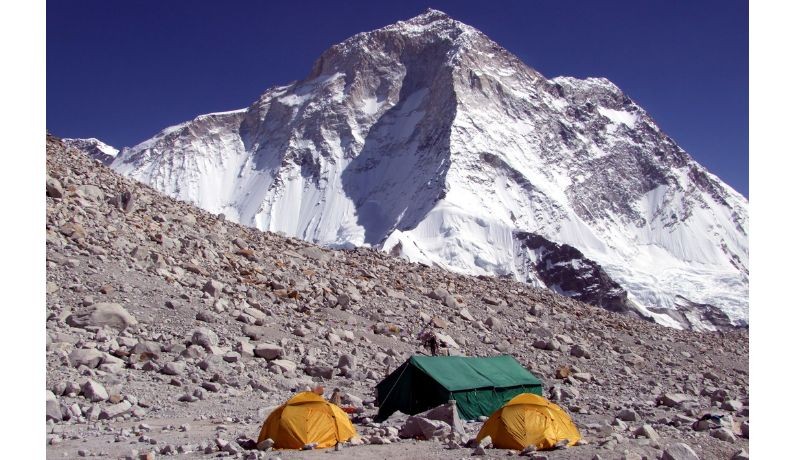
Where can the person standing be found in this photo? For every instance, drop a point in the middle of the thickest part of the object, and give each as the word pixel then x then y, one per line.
pixel 336 397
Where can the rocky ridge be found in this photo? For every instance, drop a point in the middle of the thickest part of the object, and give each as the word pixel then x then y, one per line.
pixel 174 331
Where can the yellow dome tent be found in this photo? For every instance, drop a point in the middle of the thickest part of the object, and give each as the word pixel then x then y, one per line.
pixel 304 419
pixel 529 419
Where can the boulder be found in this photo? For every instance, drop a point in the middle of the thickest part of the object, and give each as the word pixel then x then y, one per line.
pixel 438 294
pixel 174 368
pixel 447 413
pixel 673 399
pixel 546 344
pixel 54 188
pixel 648 432
pixel 464 313
pixel 723 434
pixel 268 351
pixel 265 444
pixel 346 360
pixel 152 348
pixel 284 364
pixel 732 405
pixel 213 288
pixel 741 455
pixel 325 372
pixel 93 391
pixel 628 415
pixel 53 409
pixel 204 337
pixel 417 427
pixel 103 314
pixel 89 357
pixel 115 410
pixel 582 376
pixel 579 351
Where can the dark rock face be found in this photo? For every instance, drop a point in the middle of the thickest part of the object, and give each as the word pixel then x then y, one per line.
pixel 566 270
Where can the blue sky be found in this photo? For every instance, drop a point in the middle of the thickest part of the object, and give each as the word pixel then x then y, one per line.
pixel 122 71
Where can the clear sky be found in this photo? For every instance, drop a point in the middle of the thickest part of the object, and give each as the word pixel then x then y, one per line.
pixel 122 71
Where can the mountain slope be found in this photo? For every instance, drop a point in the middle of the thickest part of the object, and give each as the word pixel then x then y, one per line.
pixel 427 139
pixel 95 148
pixel 170 329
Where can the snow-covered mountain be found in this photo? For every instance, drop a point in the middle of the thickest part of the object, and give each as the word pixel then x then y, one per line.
pixel 427 139
pixel 95 148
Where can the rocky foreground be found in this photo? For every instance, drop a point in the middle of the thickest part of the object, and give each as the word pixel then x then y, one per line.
pixel 172 331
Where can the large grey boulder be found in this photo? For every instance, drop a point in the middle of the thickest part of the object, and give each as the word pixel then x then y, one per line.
pixel 93 391
pixel 679 451
pixel 447 413
pixel 325 372
pixel 103 314
pixel 673 399
pixel 268 351
pixel 174 368
pixel 213 288
pixel 723 434
pixel 204 337
pixel 54 188
pixel 145 346
pixel 115 410
pixel 53 408
pixel 89 357
pixel 417 427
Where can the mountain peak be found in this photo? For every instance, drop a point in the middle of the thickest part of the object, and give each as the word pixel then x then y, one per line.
pixel 430 20
pixel 430 15
pixel 428 139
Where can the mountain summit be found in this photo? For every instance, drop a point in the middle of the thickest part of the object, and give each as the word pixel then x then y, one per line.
pixel 427 139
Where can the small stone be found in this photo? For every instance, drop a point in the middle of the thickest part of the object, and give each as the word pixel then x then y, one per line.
pixel 231 357
pixel 186 397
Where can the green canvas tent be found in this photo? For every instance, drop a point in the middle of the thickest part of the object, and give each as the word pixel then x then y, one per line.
pixel 479 386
